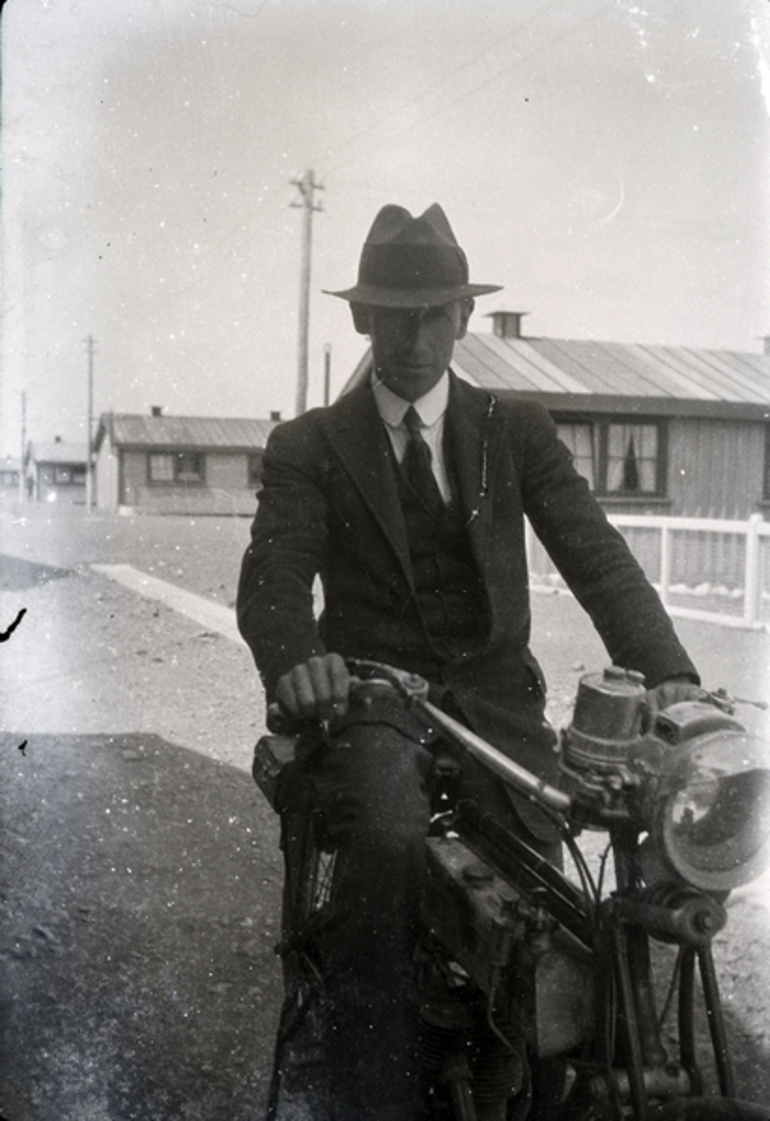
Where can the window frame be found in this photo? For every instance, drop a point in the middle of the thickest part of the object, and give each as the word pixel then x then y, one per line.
pixel 179 477
pixel 254 465
pixel 601 424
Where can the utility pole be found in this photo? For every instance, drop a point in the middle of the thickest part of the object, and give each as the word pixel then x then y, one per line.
pixel 307 188
pixel 327 372
pixel 22 474
pixel 89 425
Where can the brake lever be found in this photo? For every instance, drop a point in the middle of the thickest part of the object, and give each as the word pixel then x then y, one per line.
pixel 723 700
pixel 282 723
pixel 411 686
pixel 415 691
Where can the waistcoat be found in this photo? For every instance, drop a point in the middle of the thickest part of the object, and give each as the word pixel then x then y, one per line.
pixel 450 594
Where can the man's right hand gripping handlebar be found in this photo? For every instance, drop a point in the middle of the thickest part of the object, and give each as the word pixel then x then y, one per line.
pixel 315 690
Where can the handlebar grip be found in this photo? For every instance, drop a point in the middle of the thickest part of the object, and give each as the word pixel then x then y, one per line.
pixel 280 722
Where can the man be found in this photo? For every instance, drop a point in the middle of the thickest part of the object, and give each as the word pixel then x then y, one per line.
pixel 407 497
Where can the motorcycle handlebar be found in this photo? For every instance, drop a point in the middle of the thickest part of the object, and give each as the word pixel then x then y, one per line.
pixel 414 692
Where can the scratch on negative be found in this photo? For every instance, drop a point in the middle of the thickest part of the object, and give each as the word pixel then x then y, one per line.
pixel 5 635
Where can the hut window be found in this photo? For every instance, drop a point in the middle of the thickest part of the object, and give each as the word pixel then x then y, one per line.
pixel 176 467
pixel 580 440
pixel 188 467
pixel 632 459
pixel 161 465
pixel 618 457
pixel 766 490
pixel 255 468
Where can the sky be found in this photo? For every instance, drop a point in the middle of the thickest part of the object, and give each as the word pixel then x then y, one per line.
pixel 606 161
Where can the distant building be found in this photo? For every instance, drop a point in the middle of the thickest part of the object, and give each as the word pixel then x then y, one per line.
pixel 10 473
pixel 179 465
pixel 57 471
pixel 654 429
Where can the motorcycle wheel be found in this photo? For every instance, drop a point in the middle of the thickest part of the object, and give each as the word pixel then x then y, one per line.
pixel 710 1109
pixel 683 1109
pixel 299 1076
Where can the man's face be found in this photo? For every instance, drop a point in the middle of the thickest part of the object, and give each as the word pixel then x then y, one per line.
pixel 412 347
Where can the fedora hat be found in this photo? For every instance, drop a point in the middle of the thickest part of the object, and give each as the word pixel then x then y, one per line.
pixel 412 262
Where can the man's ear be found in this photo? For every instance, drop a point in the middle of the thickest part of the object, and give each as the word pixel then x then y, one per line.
pixel 466 311
pixel 360 313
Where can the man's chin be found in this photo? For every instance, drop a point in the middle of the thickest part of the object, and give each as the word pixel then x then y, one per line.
pixel 411 382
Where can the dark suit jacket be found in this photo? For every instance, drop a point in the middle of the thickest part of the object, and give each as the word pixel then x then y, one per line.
pixel 330 505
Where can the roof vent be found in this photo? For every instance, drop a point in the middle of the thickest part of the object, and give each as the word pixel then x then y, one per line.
pixel 507 324
pixel 275 414
pixel 156 410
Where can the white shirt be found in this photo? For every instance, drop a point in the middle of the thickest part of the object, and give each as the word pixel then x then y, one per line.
pixel 431 409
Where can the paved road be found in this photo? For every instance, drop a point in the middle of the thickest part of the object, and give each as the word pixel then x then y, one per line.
pixel 142 879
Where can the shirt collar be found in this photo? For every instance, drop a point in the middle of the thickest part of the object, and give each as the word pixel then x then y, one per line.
pixel 430 407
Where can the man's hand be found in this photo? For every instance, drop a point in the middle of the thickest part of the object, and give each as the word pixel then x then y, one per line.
pixel 672 691
pixel 316 689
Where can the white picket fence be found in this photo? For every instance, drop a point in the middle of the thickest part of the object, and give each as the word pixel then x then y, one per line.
pixel 714 569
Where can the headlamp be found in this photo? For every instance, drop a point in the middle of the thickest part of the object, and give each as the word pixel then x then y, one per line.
pixel 690 776
pixel 709 808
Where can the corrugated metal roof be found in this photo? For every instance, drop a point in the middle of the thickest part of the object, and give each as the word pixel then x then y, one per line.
pixel 613 375
pixel 553 366
pixel 496 363
pixel 59 451
pixel 132 430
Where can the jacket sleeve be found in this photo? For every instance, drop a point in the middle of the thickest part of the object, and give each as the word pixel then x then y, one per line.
pixel 594 558
pixel 275 602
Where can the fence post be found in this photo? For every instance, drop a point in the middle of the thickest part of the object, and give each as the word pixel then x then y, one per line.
pixel 528 546
pixel 751 585
pixel 665 562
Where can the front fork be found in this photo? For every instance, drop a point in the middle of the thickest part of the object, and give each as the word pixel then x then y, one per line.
pixel 628 999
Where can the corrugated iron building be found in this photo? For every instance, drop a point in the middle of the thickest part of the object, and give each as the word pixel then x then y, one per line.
pixel 10 473
pixel 58 471
pixel 655 429
pixel 179 465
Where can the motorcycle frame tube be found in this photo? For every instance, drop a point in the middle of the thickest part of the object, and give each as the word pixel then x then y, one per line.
pixel 525 866
pixel 524 781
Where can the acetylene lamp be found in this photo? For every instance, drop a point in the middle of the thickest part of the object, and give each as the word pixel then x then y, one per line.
pixel 706 798
pixel 690 776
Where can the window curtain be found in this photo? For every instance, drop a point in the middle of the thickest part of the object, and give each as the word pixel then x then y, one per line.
pixel 632 457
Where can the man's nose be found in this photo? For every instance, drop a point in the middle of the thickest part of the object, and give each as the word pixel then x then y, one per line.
pixel 415 324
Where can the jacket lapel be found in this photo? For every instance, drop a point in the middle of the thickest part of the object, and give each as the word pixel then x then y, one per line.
pixel 358 436
pixel 475 428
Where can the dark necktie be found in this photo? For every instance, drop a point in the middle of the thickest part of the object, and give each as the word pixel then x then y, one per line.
pixel 417 464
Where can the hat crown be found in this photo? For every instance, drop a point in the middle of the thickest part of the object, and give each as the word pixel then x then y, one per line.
pixel 411 262
pixel 394 224
pixel 409 254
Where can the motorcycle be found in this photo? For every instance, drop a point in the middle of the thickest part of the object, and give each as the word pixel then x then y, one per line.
pixel 515 949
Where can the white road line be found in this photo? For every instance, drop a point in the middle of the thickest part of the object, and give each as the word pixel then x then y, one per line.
pixel 213 616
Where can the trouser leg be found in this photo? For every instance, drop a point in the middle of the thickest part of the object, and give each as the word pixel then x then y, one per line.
pixel 371 789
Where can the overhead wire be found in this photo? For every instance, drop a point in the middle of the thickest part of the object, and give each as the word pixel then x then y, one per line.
pixel 573 29
pixel 437 83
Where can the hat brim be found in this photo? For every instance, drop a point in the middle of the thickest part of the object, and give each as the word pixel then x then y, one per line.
pixel 373 296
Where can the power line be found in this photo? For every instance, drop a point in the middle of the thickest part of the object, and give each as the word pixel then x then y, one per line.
pixel 598 12
pixel 430 88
